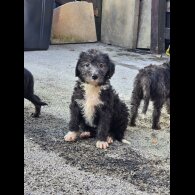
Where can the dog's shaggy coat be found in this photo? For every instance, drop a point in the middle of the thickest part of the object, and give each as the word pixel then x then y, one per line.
pixel 151 83
pixel 29 92
pixel 95 107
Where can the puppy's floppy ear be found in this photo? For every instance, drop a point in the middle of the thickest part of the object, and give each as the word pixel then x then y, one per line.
pixel 111 66
pixel 82 55
pixel 112 69
pixel 77 73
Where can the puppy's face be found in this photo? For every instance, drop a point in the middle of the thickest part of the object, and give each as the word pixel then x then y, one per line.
pixel 94 67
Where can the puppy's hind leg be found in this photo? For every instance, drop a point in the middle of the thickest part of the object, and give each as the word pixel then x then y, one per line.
pixel 146 97
pixel 33 99
pixel 120 121
pixel 37 107
pixel 135 102
pixel 37 103
pixel 168 105
pixel 156 114
pixel 37 111
pixel 146 103
pixel 145 107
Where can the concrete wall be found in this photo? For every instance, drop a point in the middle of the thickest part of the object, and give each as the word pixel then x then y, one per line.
pixel 120 22
pixel 144 34
pixel 73 23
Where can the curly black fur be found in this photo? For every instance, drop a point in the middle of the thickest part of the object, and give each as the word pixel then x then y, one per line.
pixel 151 83
pixel 110 115
pixel 29 92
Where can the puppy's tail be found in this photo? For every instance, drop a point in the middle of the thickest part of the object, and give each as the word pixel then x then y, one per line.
pixel 38 101
pixel 125 141
pixel 42 104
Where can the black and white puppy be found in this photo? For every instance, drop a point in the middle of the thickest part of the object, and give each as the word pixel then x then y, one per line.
pixel 151 83
pixel 29 92
pixel 95 108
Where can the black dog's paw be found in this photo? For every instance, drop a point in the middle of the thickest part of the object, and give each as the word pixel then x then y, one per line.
pixel 35 115
pixel 156 127
pixel 132 124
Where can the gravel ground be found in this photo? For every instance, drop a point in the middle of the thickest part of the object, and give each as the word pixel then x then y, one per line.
pixel 53 166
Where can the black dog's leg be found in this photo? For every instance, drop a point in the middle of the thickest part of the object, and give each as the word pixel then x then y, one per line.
pixel 37 107
pixel 168 105
pixel 135 102
pixel 37 103
pixel 103 129
pixel 146 103
pixel 156 114
pixel 34 99
pixel 29 93
pixel 119 122
pixel 75 118
pixel 146 94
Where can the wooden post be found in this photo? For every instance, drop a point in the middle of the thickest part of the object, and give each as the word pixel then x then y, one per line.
pixel 98 15
pixel 158 26
pixel 97 6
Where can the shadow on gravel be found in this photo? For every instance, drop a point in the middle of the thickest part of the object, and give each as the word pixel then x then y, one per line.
pixel 118 161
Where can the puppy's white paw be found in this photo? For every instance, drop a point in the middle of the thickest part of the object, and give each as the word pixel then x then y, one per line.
pixel 85 134
pixel 70 136
pixel 109 140
pixel 101 144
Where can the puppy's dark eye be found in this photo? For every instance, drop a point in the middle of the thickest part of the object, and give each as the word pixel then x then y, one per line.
pixel 87 65
pixel 101 65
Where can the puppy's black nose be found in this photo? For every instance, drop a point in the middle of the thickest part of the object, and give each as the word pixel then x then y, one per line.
pixel 94 77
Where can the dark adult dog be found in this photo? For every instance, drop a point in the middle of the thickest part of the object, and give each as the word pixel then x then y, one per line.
pixel 151 83
pixel 95 107
pixel 29 93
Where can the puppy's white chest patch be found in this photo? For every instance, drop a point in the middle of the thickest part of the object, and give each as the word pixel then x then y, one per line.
pixel 90 102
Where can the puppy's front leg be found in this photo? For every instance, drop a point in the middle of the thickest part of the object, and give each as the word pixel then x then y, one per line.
pixel 103 129
pixel 74 122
